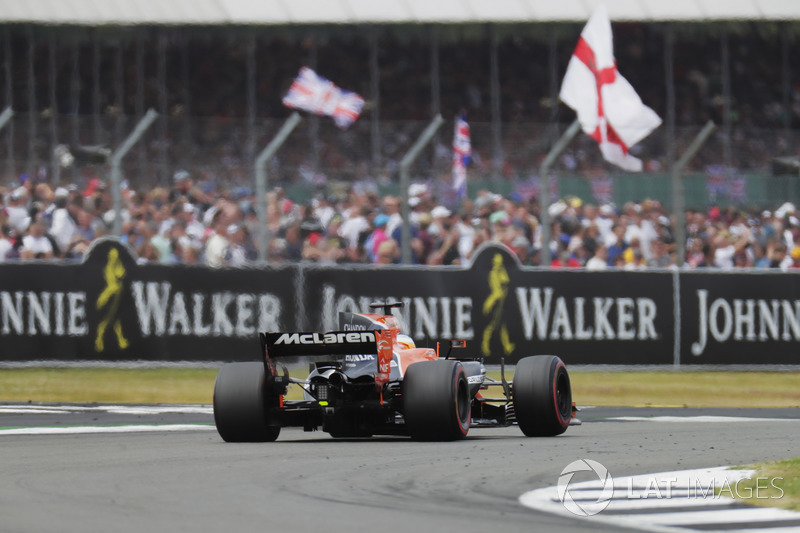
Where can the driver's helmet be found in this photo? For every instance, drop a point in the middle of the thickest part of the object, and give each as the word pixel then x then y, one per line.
pixel 405 342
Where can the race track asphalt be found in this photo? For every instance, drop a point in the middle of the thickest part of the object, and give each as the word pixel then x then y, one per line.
pixel 191 480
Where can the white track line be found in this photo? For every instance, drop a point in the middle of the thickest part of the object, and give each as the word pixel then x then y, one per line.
pixel 707 418
pixel 116 409
pixel 78 430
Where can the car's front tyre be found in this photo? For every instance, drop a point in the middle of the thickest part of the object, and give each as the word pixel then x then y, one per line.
pixel 542 396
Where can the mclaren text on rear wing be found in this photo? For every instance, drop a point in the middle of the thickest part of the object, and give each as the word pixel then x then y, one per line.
pixel 333 343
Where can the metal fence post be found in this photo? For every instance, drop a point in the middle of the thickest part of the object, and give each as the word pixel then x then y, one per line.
pixel 677 190
pixel 544 189
pixel 116 163
pixel 408 159
pixel 261 181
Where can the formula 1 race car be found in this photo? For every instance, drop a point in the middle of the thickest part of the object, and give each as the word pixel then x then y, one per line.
pixel 370 379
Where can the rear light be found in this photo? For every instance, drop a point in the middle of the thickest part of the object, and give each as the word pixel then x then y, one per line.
pixel 322 392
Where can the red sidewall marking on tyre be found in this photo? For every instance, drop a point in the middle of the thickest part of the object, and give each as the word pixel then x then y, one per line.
pixel 561 419
pixel 464 428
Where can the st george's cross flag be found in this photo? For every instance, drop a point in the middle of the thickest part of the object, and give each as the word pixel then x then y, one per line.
pixel 462 154
pixel 608 108
pixel 311 92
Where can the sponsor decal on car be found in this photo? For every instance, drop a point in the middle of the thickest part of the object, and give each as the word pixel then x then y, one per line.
pixel 326 338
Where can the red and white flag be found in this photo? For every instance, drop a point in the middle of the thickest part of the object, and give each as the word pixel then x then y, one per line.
pixel 608 108
pixel 311 92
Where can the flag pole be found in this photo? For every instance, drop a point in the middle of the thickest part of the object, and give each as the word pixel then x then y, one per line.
pixel 544 188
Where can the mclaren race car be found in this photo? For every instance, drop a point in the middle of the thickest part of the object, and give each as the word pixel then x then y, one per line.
pixel 369 379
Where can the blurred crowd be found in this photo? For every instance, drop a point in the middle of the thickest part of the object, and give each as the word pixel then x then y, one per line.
pixel 199 224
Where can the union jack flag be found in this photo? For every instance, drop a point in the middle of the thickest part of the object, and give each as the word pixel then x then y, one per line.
pixel 311 92
pixel 462 154
pixel 602 189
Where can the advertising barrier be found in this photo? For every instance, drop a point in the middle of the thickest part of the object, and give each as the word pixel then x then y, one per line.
pixel 110 308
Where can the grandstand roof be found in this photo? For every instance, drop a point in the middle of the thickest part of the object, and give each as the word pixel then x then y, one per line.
pixel 285 12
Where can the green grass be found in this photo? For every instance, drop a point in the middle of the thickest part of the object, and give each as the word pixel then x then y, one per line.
pixel 775 484
pixel 187 385
pixel 108 385
pixel 687 389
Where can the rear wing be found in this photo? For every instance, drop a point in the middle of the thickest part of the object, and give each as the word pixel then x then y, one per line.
pixel 333 345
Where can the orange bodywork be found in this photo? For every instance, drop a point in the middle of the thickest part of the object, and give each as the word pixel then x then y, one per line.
pixel 415 355
pixel 407 356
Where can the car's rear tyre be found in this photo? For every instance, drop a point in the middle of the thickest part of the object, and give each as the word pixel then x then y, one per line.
pixel 542 396
pixel 436 401
pixel 241 405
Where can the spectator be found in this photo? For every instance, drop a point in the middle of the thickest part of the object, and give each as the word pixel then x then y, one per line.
pixel 217 243
pixel 235 254
pixel 617 243
pixel 36 245
pixel 391 208
pixel 18 217
pixel 741 260
pixel 352 228
pixel 445 250
pixel 522 249
pixel 183 188
pixel 563 259
pixel 191 253
pixel 378 236
pixel 778 258
pixel 387 253
pixel 659 254
pixel 63 225
pixel 6 244
pixel 795 258
pixel 425 239
pixel 600 259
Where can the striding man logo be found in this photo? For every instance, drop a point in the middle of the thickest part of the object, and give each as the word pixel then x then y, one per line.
pixel 493 307
pixel 109 300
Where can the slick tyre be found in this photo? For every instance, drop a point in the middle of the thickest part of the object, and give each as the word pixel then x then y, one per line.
pixel 542 396
pixel 241 406
pixel 436 401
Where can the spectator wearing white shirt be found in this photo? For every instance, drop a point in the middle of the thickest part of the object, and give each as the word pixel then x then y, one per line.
pixel 18 217
pixel 352 228
pixel 63 225
pixel 236 254
pixel 599 261
pixel 36 245
pixel 5 242
pixel 217 243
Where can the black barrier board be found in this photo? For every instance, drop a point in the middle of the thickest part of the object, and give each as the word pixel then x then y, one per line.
pixel 749 318
pixel 506 311
pixel 110 308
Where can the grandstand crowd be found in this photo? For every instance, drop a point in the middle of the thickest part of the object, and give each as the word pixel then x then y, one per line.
pixel 197 78
pixel 192 223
